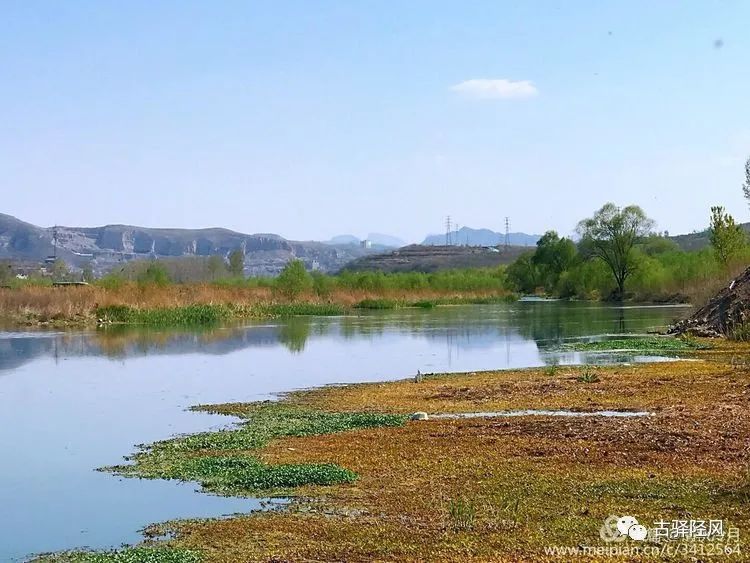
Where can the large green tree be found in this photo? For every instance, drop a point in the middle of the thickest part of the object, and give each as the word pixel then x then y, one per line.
pixel 523 273
pixel 293 280
pixel 610 236
pixel 553 256
pixel 726 236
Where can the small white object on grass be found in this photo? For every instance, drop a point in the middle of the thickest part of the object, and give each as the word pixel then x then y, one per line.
pixel 419 416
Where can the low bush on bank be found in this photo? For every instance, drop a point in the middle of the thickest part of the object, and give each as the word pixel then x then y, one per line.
pixel 588 374
pixel 740 333
pixel 377 304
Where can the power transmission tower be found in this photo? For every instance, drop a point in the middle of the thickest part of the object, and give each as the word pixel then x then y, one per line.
pixel 458 237
pixel 507 233
pixel 448 230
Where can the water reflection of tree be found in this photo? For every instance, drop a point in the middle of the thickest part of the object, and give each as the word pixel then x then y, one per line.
pixel 461 327
pixel 121 341
pixel 294 333
pixel 550 325
pixel 546 323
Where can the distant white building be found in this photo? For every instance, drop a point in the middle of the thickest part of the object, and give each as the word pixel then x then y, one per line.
pixel 365 243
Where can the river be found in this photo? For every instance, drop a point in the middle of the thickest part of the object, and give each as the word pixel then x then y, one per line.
pixel 77 400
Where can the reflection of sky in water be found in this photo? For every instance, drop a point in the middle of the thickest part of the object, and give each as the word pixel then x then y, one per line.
pixel 71 402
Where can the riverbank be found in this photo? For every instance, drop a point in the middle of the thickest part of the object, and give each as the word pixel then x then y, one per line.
pixel 175 304
pixel 367 483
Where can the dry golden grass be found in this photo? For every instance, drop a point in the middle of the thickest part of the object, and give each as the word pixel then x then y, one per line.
pixel 76 304
pixel 534 481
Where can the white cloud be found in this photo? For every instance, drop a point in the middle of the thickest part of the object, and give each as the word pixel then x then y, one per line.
pixel 497 88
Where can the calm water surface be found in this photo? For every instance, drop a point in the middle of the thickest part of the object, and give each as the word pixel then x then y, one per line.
pixel 74 401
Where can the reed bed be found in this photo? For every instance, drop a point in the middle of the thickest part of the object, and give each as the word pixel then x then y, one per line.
pixel 198 303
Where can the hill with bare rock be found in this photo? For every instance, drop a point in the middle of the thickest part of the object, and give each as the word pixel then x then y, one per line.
pixel 104 248
pixel 423 258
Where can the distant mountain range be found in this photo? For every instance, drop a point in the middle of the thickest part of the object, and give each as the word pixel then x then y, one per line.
pixel 105 247
pixel 481 237
pixel 265 254
pixel 376 239
pixel 465 236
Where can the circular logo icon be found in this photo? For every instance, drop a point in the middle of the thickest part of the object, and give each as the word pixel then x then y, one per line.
pixel 619 528
pixel 624 524
pixel 638 532
pixel 609 531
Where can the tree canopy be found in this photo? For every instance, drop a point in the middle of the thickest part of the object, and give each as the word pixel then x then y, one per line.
pixel 727 237
pixel 610 236
pixel 553 256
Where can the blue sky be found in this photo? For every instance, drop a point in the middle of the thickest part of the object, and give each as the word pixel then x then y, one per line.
pixel 317 118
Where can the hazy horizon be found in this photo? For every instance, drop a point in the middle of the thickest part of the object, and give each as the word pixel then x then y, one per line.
pixel 316 120
pixel 363 236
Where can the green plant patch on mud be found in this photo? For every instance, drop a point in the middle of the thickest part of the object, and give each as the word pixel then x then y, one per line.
pixel 385 304
pixel 657 343
pixel 476 299
pixel 425 304
pixel 299 309
pixel 144 554
pixel 377 304
pixel 165 316
pixel 686 492
pixel 206 315
pixel 268 420
pixel 229 474
pixel 213 314
pixel 222 461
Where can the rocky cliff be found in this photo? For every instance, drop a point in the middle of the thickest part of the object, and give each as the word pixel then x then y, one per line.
pixel 105 247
